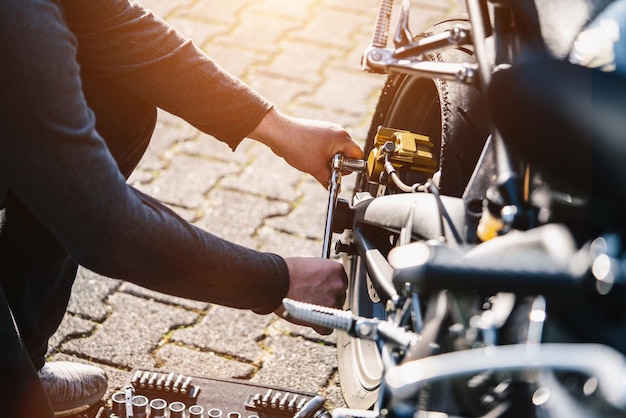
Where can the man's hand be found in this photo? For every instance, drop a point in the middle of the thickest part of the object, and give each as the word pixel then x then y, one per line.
pixel 307 145
pixel 316 280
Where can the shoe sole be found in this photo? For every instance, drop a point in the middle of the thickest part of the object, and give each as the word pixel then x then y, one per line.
pixel 71 408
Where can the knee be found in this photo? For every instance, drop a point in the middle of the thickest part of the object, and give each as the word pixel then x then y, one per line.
pixel 124 121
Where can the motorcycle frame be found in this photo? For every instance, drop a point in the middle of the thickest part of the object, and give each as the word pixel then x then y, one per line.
pixel 502 33
pixel 495 46
pixel 378 58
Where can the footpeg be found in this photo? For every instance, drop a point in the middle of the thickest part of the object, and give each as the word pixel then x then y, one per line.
pixel 356 326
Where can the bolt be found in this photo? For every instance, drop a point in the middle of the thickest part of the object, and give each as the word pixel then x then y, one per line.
pixel 458 35
pixel 376 56
pixel 364 329
pixel 341 247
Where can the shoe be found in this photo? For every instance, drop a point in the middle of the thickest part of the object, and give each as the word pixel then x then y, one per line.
pixel 72 387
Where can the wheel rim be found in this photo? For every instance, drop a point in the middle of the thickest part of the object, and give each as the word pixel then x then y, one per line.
pixel 366 353
pixel 361 368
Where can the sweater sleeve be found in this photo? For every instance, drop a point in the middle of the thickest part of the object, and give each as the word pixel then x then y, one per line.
pixel 55 162
pixel 127 44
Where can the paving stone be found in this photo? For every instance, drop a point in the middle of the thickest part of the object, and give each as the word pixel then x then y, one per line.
pixel 222 12
pixel 165 136
pixel 89 293
pixel 280 91
pixel 72 326
pixel 331 28
pixel 141 176
pixel 304 107
pixel 287 328
pixel 236 58
pixel 134 329
pixel 164 8
pixel 227 331
pixel 265 32
pixel 268 175
pixel 422 13
pixel 200 31
pixel 332 394
pixel 296 363
pixel 359 130
pixel 301 61
pixel 285 8
pixel 193 362
pixel 307 219
pixel 209 148
pixel 351 60
pixel 346 91
pixel 287 245
pixel 366 7
pixel 237 216
pixel 188 179
pixel 144 293
pixel 188 214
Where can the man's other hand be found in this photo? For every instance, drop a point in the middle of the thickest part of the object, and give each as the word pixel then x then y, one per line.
pixel 318 281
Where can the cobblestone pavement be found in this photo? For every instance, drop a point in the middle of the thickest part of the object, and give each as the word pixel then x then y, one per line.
pixel 304 56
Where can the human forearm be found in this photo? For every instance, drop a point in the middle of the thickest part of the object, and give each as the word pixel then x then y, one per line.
pixel 307 145
pixel 56 164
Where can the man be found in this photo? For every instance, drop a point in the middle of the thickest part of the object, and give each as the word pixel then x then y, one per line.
pixel 81 81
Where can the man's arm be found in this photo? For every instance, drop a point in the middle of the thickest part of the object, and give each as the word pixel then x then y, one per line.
pixel 53 160
pixel 135 49
pixel 127 45
pixel 307 145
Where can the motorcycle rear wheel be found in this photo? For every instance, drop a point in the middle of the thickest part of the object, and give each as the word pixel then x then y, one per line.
pixel 454 117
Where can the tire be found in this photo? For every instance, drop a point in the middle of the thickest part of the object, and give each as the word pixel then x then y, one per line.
pixel 454 117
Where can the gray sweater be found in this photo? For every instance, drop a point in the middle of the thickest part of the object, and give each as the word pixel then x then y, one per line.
pixel 53 159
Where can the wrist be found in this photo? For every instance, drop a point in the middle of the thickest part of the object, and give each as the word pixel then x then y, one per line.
pixel 270 130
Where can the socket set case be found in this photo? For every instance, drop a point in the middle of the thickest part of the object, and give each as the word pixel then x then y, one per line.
pixel 162 394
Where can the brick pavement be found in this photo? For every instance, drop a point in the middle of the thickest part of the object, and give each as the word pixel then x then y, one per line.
pixel 303 55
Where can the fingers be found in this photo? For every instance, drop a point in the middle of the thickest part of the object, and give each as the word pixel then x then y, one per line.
pixel 317 281
pixel 342 144
pixel 352 150
pixel 306 144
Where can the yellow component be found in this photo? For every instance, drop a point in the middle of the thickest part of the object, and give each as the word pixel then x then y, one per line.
pixel 411 151
pixel 375 165
pixel 489 226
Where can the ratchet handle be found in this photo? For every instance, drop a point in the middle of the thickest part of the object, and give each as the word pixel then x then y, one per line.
pixel 333 193
pixel 339 164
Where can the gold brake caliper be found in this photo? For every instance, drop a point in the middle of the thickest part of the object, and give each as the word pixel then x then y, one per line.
pixel 404 150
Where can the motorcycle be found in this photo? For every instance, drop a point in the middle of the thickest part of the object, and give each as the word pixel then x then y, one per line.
pixel 484 242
